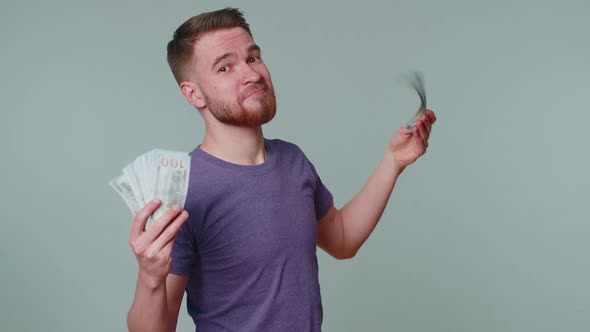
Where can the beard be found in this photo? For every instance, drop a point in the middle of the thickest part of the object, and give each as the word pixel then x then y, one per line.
pixel 239 115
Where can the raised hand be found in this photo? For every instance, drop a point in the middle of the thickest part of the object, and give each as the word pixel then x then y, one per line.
pixel 153 247
pixel 407 145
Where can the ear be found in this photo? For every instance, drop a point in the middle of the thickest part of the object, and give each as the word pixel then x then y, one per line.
pixel 193 94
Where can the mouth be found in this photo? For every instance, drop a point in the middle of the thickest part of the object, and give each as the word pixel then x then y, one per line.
pixel 254 92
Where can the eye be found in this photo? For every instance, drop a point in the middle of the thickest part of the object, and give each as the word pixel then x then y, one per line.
pixel 253 59
pixel 223 69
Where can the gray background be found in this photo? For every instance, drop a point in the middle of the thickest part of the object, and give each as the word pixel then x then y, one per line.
pixel 487 232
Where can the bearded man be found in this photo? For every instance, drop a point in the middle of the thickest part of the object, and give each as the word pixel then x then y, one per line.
pixel 244 247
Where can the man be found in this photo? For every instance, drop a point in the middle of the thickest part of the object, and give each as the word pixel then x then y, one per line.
pixel 246 256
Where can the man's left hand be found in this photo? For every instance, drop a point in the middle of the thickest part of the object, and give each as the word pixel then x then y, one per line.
pixel 407 145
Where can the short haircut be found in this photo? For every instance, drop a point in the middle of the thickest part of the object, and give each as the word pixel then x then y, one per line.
pixel 181 47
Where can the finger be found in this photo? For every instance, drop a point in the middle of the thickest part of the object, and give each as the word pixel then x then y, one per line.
pixel 422 131
pixel 423 140
pixel 160 224
pixel 166 251
pixel 161 256
pixel 419 140
pixel 169 233
pixel 427 126
pixel 416 132
pixel 425 120
pixel 431 116
pixel 141 218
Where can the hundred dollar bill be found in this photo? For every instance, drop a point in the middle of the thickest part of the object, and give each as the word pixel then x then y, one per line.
pixel 171 180
pixel 158 173
pixel 416 82
pixel 123 188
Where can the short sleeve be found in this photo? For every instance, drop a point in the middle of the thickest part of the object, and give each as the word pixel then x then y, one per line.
pixel 184 253
pixel 323 196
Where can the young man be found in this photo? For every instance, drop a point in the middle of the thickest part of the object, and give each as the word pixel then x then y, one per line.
pixel 246 256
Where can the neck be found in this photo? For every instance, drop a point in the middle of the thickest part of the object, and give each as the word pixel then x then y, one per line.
pixel 237 145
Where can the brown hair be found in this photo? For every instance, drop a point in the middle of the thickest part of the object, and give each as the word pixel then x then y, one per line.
pixel 181 47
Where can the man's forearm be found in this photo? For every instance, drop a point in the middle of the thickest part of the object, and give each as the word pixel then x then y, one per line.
pixel 360 216
pixel 149 311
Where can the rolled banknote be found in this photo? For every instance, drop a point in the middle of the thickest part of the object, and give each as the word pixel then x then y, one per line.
pixel 416 81
pixel 158 173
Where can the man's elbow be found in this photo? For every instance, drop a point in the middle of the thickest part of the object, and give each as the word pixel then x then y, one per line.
pixel 344 254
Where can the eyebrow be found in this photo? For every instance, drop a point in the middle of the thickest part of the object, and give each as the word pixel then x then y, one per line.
pixel 224 56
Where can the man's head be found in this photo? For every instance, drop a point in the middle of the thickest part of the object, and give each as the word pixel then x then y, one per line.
pixel 219 68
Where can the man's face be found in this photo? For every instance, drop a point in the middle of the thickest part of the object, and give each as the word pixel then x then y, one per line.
pixel 235 83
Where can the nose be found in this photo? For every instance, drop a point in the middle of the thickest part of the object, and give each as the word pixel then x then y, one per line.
pixel 249 74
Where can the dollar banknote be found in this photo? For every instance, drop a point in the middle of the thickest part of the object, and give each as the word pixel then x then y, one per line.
pixel 121 185
pixel 171 180
pixel 416 81
pixel 161 174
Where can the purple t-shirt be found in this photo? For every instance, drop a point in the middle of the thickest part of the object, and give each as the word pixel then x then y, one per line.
pixel 249 245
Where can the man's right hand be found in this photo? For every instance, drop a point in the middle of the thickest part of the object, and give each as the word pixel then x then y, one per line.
pixel 153 247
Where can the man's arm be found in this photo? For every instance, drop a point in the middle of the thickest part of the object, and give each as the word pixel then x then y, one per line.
pixel 156 309
pixel 342 232
pixel 158 294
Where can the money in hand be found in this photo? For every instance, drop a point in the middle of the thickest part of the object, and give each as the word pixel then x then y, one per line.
pixel 158 174
pixel 416 82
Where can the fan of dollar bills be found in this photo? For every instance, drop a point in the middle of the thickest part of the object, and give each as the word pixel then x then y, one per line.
pixel 158 173
pixel 416 82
